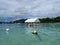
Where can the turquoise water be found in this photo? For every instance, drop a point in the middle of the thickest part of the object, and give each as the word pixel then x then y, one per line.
pixel 20 34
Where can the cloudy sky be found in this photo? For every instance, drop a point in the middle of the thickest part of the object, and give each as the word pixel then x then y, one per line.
pixel 16 9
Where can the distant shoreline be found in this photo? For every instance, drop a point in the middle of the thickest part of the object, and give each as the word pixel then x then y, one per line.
pixel 43 20
pixel 23 23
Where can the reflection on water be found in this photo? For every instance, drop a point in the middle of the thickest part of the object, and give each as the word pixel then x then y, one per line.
pixel 20 34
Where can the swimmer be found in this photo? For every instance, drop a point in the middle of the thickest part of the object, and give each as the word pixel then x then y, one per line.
pixel 35 32
pixel 7 29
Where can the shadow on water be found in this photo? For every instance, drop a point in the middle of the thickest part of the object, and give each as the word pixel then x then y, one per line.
pixel 37 37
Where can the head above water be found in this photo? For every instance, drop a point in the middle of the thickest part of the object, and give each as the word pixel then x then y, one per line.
pixel 7 29
pixel 35 32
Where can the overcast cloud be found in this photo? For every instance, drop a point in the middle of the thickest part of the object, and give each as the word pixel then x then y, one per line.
pixel 29 8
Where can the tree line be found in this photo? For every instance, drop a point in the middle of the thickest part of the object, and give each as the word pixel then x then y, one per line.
pixel 50 20
pixel 43 20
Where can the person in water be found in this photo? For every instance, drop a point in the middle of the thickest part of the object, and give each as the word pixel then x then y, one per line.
pixel 35 32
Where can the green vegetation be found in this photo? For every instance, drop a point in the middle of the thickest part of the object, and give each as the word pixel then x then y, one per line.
pixel 43 20
pixel 50 20
pixel 18 21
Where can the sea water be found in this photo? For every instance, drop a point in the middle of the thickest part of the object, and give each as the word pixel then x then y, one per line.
pixel 20 34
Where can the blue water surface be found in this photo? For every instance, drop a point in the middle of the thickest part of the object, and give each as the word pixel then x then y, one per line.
pixel 20 34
